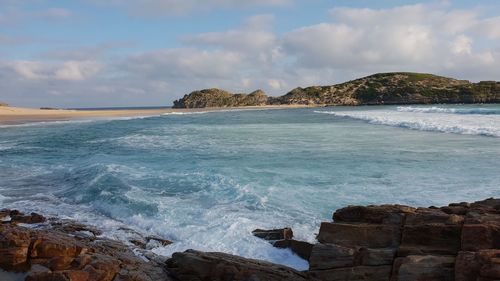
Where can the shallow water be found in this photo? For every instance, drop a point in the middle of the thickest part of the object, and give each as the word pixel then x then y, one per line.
pixel 206 180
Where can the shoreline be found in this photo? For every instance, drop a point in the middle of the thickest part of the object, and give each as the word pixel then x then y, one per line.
pixel 19 115
pixel 375 242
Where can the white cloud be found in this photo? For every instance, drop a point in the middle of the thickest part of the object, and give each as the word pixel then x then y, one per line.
pixel 70 70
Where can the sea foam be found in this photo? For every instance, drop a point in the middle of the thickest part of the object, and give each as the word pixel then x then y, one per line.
pixel 488 125
pixel 450 110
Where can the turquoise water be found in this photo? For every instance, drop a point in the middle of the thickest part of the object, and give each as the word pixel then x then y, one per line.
pixel 206 180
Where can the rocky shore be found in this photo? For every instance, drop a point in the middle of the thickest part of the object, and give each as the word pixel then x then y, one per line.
pixel 460 241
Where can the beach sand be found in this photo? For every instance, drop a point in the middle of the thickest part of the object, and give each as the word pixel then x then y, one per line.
pixel 18 115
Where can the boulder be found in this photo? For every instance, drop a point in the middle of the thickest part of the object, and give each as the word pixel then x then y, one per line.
pixel 195 265
pixel 301 248
pixel 384 214
pixel 14 248
pixel 274 234
pixel 360 235
pixel 424 268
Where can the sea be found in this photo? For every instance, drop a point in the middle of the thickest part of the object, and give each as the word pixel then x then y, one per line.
pixel 205 180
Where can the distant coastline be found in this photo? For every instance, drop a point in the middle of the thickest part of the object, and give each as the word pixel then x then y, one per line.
pixel 396 88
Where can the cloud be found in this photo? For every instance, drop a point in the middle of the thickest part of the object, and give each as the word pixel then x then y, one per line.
pixel 182 7
pixel 69 70
pixel 16 15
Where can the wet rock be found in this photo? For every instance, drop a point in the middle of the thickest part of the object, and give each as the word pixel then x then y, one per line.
pixel 384 214
pixel 424 268
pixel 162 241
pixel 360 235
pixel 28 219
pixel 301 248
pixel 357 273
pixel 274 234
pixel 373 257
pixel 194 265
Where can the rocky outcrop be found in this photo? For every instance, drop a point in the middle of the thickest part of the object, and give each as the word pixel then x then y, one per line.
pixel 194 265
pixel 377 89
pixel 3 104
pixel 459 242
pixel 220 98
pixel 55 250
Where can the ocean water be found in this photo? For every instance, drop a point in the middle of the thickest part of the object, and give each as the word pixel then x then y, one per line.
pixel 206 180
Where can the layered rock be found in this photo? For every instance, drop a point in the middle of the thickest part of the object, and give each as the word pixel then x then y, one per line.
pixel 460 242
pixel 382 88
pixel 59 251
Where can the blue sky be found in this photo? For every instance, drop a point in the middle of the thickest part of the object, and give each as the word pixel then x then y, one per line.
pixel 126 53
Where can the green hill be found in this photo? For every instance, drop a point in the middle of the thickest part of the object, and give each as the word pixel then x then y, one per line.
pixel 382 88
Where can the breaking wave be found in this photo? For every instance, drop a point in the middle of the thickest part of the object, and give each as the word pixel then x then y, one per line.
pixel 450 110
pixel 487 125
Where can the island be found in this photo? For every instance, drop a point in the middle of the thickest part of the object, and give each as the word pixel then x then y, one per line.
pixel 377 89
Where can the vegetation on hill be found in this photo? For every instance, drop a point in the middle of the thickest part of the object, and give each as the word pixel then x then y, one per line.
pixel 382 88
pixel 3 104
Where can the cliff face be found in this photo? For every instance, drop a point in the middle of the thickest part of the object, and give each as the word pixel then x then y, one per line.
pixel 383 88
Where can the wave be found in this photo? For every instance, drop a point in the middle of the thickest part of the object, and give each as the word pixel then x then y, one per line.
pixel 185 113
pixel 434 109
pixel 487 125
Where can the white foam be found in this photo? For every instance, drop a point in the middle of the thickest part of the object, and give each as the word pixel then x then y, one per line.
pixel 185 113
pixel 449 110
pixel 484 125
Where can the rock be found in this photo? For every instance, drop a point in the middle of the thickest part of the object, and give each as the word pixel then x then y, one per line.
pixel 360 235
pixel 471 265
pixel 301 248
pixel 163 242
pixel 373 257
pixel 432 216
pixel 384 214
pixel 28 219
pixel 14 247
pixel 481 231
pixel 274 234
pixel 195 265
pixel 330 256
pixel 430 239
pixel 424 268
pixel 357 273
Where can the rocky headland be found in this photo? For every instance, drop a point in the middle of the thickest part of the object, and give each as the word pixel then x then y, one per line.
pixel 377 89
pixel 460 242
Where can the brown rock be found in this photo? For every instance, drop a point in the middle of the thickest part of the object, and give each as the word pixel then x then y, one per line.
pixel 424 268
pixel 301 248
pixel 14 245
pixel 373 257
pixel 357 273
pixel 430 239
pixel 28 219
pixel 384 214
pixel 432 216
pixel 481 231
pixel 48 276
pixel 274 234
pixel 330 256
pixel 163 242
pixel 470 265
pixel 360 235
pixel 194 265
pixel 55 245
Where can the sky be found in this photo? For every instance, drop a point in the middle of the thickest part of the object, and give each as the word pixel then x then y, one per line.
pixel 91 53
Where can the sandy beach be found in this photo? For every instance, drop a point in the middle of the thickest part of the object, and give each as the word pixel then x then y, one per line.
pixel 19 115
